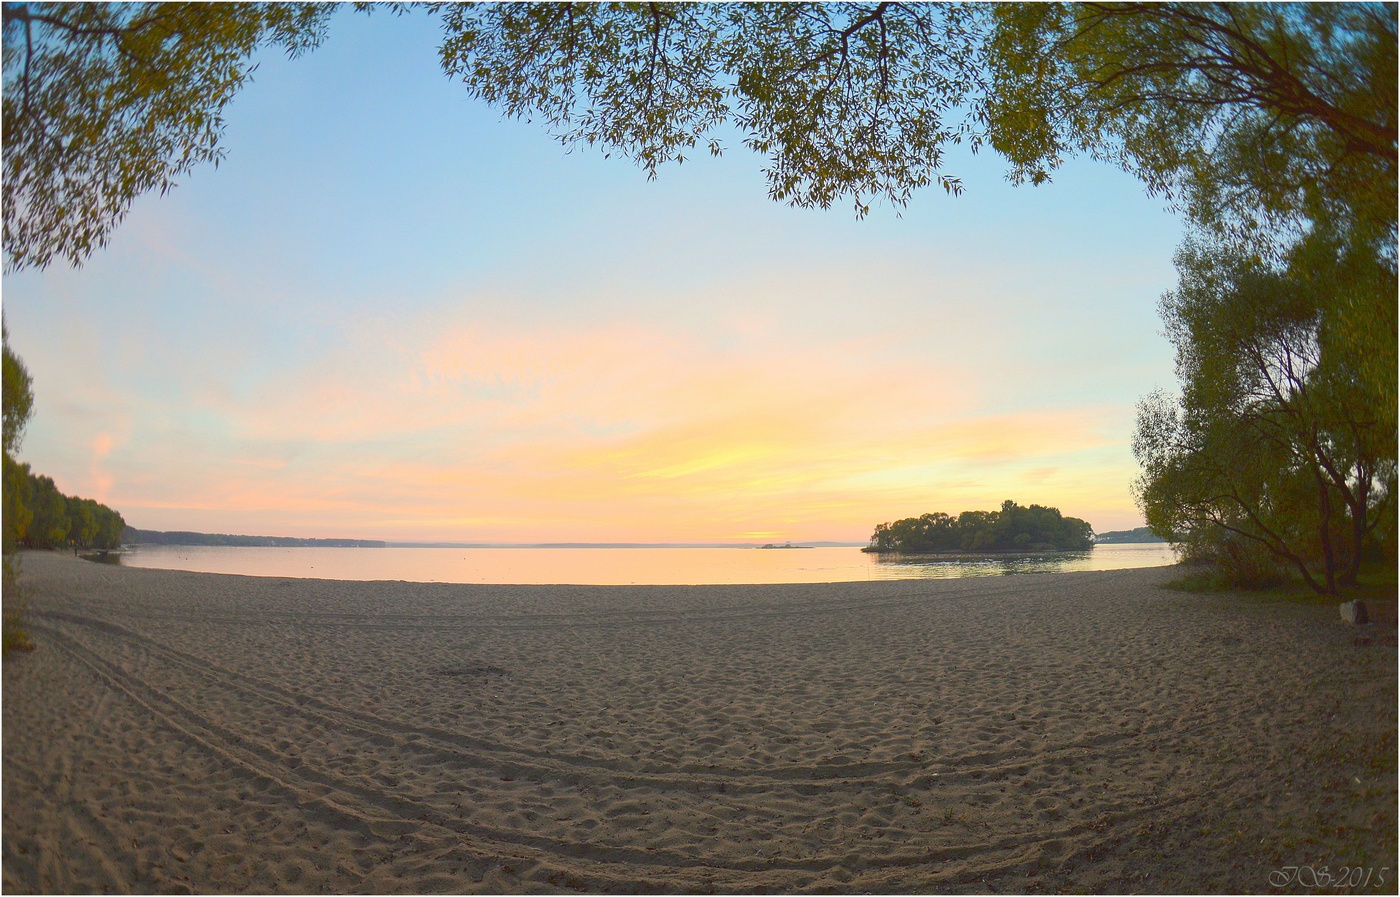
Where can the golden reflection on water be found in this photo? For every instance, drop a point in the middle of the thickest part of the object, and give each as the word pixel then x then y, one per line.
pixel 624 566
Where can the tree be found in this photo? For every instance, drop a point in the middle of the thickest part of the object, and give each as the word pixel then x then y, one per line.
pixel 18 396
pixel 50 524
pixel 1273 439
pixel 18 408
pixel 106 101
pixel 82 521
pixel 17 515
pixel 110 527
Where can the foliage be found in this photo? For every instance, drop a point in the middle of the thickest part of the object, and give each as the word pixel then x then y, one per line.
pixel 1273 443
pixel 18 396
pixel 1013 528
pixel 843 99
pixel 14 495
pixel 1354 286
pixel 17 501
pixel 106 101
pixel 58 520
pixel 12 634
pixel 50 524
pixel 18 408
pixel 1257 116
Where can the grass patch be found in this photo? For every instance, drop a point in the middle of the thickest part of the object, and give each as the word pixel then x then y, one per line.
pixel 1200 579
pixel 1376 583
pixel 15 638
pixel 1378 579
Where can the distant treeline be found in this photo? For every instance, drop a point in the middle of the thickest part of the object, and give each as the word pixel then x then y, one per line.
pixel 135 536
pixel 1013 528
pixel 1141 534
pixel 37 515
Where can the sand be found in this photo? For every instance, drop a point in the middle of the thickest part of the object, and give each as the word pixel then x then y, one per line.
pixel 185 732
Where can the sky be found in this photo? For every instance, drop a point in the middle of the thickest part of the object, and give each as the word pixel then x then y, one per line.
pixel 390 313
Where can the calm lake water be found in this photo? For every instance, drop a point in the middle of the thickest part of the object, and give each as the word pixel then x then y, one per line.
pixel 625 566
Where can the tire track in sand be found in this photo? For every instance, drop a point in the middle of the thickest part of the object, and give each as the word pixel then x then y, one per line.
pixel 381 814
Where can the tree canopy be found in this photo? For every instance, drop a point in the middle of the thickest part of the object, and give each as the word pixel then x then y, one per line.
pixel 844 100
pixel 106 101
pixel 1258 116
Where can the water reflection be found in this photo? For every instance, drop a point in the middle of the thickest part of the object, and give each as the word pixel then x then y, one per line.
pixel 944 566
pixel 624 566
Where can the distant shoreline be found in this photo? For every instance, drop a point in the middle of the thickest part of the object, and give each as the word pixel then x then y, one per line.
pixel 1139 535
pixel 185 538
pixel 134 536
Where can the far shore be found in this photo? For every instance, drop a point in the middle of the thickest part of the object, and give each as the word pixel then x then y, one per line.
pixel 1087 732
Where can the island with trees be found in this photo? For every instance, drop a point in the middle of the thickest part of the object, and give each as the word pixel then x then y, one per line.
pixel 1139 535
pixel 1013 528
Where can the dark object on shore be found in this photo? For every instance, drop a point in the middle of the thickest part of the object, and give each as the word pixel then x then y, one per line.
pixel 101 556
pixel 1354 612
pixel 474 671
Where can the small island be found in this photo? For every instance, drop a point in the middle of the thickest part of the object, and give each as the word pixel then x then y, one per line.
pixel 1012 529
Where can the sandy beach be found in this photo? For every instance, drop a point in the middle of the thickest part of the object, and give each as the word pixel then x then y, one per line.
pixel 184 732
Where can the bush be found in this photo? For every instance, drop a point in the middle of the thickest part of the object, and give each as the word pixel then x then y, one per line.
pixel 1233 562
pixel 1246 564
pixel 15 638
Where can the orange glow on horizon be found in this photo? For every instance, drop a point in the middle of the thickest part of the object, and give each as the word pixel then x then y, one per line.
pixel 624 433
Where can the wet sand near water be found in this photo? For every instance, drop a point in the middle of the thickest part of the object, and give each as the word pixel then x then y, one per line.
pixel 185 732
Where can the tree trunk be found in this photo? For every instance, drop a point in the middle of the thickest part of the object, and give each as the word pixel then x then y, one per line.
pixel 1324 532
pixel 1359 498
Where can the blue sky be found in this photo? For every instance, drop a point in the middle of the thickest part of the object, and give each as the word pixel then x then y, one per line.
pixel 391 314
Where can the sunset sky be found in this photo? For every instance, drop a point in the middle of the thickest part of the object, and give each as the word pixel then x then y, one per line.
pixel 391 314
